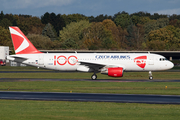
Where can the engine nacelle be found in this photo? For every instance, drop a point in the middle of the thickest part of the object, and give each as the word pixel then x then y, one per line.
pixel 114 72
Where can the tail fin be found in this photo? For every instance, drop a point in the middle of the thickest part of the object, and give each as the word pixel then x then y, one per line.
pixel 21 43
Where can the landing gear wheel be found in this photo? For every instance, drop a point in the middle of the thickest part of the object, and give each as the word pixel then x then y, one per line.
pixel 94 77
pixel 151 78
pixel 150 75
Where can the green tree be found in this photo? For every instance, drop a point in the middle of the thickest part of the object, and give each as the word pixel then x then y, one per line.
pixel 57 21
pixel 45 19
pixel 119 13
pixel 174 16
pixel 69 43
pixel 5 23
pixel 99 18
pixel 1 15
pixel 135 19
pixel 107 43
pixel 10 17
pixel 49 32
pixel 74 31
pixel 156 16
pixel 154 25
pixel 123 20
pixel 73 18
pixel 141 14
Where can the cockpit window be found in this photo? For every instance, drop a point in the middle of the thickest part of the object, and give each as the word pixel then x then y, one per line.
pixel 162 59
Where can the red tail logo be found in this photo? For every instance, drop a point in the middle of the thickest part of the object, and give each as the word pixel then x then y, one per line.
pixel 141 61
pixel 21 43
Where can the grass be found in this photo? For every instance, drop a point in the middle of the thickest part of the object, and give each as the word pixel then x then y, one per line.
pixel 173 88
pixel 53 110
pixel 50 110
pixel 79 75
pixel 24 68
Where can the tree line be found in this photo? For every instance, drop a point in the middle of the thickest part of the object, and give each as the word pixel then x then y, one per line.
pixel 123 31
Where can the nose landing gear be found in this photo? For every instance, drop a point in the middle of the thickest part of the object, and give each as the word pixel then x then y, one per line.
pixel 150 75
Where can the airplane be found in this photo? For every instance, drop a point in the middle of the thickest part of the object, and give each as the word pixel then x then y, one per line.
pixel 111 64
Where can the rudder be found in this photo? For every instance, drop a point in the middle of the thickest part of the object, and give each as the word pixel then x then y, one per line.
pixel 21 43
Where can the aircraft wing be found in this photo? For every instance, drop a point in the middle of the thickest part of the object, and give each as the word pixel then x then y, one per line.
pixel 97 66
pixel 92 65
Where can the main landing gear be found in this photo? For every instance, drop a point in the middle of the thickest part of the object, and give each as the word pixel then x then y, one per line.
pixel 150 75
pixel 94 77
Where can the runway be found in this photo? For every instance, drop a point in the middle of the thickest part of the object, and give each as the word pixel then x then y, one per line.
pixel 84 97
pixel 98 80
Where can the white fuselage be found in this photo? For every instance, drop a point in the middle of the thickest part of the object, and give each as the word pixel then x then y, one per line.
pixel 72 61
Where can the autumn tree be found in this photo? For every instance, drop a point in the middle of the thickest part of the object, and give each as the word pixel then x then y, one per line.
pixel 5 39
pixel 154 25
pixel 40 41
pixel 144 20
pixel 169 35
pixel 113 29
pixel 97 37
pixel 175 23
pixel 122 36
pixel 135 36
pixel 156 45
pixel 35 25
pixel 29 24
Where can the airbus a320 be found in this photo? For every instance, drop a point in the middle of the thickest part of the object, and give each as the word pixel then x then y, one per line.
pixel 111 64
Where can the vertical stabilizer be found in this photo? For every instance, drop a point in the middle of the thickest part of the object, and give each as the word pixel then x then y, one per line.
pixel 21 43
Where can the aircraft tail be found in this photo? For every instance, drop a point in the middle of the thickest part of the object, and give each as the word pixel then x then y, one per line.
pixel 21 43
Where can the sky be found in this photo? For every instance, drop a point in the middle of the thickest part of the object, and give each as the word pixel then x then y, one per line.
pixel 89 7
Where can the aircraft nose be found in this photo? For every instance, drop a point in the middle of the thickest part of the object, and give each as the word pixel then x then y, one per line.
pixel 170 65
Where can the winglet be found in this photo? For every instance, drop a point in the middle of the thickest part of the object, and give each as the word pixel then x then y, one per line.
pixel 21 43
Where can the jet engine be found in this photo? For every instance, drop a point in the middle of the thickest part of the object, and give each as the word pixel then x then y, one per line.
pixel 113 72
